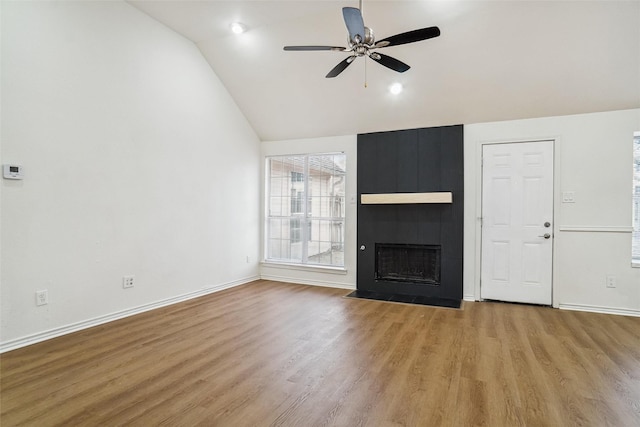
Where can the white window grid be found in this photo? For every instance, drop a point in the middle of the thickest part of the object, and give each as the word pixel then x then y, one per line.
pixel 310 232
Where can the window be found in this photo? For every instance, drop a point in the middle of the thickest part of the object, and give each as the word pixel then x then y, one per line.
pixel 305 209
pixel 635 239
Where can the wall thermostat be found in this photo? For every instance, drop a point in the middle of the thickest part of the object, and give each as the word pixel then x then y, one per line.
pixel 12 171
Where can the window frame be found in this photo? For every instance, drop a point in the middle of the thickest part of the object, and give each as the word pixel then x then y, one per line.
pixel 306 218
pixel 635 202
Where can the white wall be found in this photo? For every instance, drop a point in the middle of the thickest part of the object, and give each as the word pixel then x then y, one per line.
pixel 593 158
pixel 311 275
pixel 137 162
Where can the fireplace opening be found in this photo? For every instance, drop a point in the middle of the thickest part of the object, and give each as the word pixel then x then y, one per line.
pixel 408 263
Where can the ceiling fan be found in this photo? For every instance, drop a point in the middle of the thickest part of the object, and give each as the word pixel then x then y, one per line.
pixel 362 43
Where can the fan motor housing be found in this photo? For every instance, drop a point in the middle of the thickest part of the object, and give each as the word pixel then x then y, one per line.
pixel 369 39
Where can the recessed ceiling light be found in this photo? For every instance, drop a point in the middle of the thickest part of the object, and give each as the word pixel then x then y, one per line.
pixel 395 88
pixel 238 28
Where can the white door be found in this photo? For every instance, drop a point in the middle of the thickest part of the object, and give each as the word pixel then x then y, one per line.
pixel 517 228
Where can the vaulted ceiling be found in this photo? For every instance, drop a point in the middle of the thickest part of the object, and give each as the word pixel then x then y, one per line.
pixel 495 60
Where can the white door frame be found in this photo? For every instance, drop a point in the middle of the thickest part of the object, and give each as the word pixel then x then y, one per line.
pixel 478 210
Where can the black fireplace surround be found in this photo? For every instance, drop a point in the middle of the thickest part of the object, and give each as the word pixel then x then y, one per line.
pixel 411 249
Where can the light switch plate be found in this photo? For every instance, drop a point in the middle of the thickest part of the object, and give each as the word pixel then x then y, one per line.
pixel 568 197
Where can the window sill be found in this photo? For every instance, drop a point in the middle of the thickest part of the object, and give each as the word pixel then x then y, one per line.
pixel 302 267
pixel 635 264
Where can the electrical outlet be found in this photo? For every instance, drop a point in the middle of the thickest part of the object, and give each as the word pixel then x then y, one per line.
pixel 42 297
pixel 127 282
pixel 611 281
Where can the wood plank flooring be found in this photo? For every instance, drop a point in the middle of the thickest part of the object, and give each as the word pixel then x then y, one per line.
pixel 275 354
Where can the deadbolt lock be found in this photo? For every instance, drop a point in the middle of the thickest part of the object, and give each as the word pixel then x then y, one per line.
pixel 547 224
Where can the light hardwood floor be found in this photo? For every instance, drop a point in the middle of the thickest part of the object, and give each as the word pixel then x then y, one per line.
pixel 270 353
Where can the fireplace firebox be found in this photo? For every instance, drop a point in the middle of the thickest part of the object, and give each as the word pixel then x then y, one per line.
pixel 408 263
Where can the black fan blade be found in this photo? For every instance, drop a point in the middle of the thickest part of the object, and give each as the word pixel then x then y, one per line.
pixel 409 37
pixel 309 48
pixel 390 62
pixel 355 24
pixel 340 67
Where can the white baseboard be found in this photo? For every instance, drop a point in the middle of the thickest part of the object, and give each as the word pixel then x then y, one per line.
pixel 469 298
pixel 85 324
pixel 597 309
pixel 78 326
pixel 308 282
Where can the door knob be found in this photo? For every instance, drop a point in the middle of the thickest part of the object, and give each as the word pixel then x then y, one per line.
pixel 362 248
pixel 546 235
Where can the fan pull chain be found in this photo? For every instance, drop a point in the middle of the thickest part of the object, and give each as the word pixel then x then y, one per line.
pixel 365 59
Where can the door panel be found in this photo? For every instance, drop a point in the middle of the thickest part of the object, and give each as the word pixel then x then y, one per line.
pixel 500 271
pixel 517 201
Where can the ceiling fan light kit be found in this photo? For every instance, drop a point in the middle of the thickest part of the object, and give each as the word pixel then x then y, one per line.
pixel 362 43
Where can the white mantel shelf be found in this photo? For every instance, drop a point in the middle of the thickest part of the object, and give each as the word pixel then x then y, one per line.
pixel 406 198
